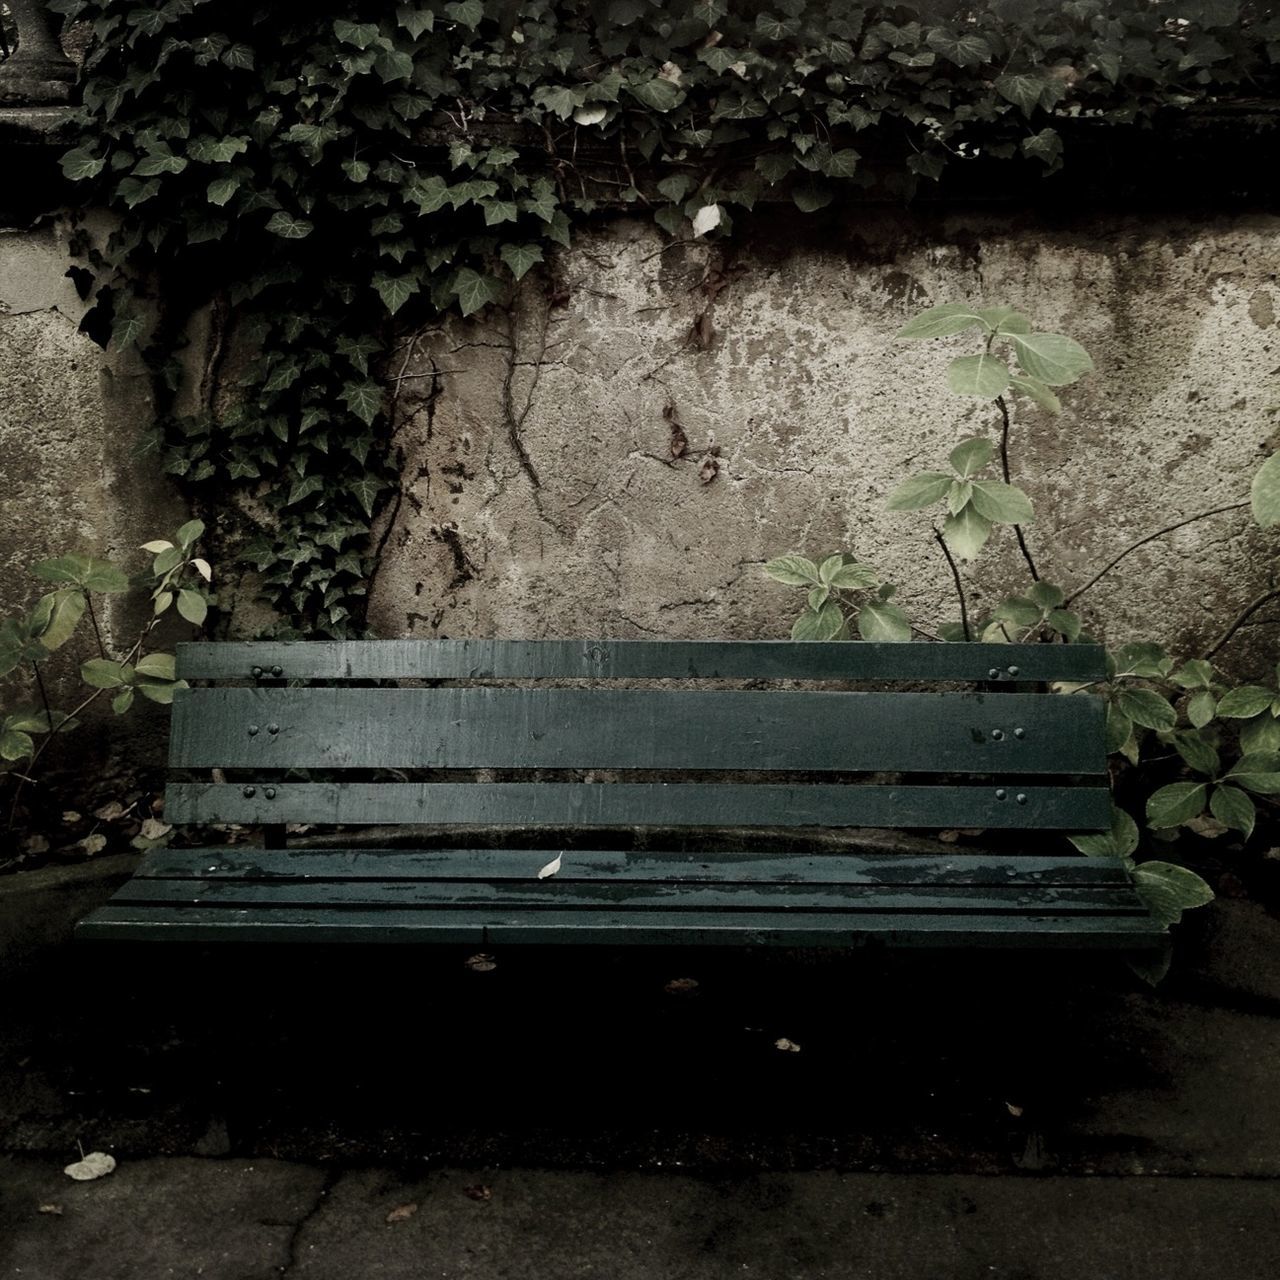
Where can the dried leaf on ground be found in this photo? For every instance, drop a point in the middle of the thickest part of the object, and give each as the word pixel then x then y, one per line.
pixel 154 829
pixel 787 1046
pixel 55 1209
pixel 681 986
pixel 401 1212
pixel 70 817
pixel 97 1164
pixel 36 844
pixel 92 844
pixel 481 963
pixel 551 868
pixel 1013 1108
pixel 478 1192
pixel 110 811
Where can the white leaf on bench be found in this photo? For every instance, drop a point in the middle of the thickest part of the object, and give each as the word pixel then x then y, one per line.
pixel 551 868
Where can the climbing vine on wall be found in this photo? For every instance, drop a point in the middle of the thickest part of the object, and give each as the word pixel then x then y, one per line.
pixel 331 176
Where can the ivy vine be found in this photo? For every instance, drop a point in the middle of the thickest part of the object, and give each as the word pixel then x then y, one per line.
pixel 333 176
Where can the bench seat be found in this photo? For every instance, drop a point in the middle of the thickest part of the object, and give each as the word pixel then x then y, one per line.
pixel 482 897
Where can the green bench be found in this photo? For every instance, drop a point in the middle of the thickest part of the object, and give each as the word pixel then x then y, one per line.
pixel 564 736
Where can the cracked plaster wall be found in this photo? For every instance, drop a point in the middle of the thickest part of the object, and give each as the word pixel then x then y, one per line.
pixel 540 497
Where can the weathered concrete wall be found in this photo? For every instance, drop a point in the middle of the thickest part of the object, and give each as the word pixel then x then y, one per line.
pixel 541 498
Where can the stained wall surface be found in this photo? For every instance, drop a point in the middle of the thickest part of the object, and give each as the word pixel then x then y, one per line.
pixel 541 497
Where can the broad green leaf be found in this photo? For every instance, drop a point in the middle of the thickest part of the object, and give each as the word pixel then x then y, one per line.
pixel 1201 708
pixel 159 666
pixel 882 621
pixel 1233 809
pixel 474 290
pixel 1264 492
pixel 1262 733
pixel 1169 890
pixel 1065 623
pixel 1023 90
pixel 161 693
pixel 983 375
pixel 394 291
pixel 1258 771
pixel 67 610
pixel 1142 658
pixel 102 673
pixel 393 64
pixel 192 606
pixel 27 720
pixel 79 165
pixel 812 196
pixel 941 321
pixel 122 701
pixel 1019 611
pixel 1039 391
pixel 520 258
pixel 360 34
pixel 1147 708
pixel 1200 754
pixel 855 577
pixel 1051 357
pixel 1246 701
pixel 795 571
pixel 1177 803
pixel 828 568
pixel 1046 595
pixel 656 94
pixel 818 596
pixel 970 456
pixel 1001 503
pixel 1121 841
pixel 1195 673
pixel 364 399
pixel 15 745
pixel 965 49
pixel 415 19
pixel 1004 320
pixel 83 571
pixel 919 491
pixel 825 624
pixel 189 534
pixel 967 533
pixel 220 190
pixel 958 495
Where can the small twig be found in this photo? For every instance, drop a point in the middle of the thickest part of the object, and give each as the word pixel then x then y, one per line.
pixel 1151 537
pixel 44 696
pixel 1004 466
pixel 955 573
pixel 1241 618
pixel 93 618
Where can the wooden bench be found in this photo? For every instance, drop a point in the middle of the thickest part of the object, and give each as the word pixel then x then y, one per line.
pixel 483 733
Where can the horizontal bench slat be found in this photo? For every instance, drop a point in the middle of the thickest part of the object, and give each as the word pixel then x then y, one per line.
pixel 652 804
pixel 637 659
pixel 460 728
pixel 487 928
pixel 620 865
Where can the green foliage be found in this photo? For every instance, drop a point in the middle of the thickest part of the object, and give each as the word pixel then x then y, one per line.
pixel 176 573
pixel 338 171
pixel 841 596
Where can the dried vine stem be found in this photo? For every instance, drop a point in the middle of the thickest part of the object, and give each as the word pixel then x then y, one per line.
pixel 1141 542
pixel 1241 618
pixel 1004 466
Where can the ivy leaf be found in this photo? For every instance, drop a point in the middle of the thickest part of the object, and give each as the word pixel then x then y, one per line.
pixel 966 533
pixel 965 50
pixel 1045 145
pixel 812 197
pixel 656 94
pixel 366 490
pixel 360 34
pixel 394 291
pixel 393 64
pixel 556 99
pixel 364 399
pixel 474 290
pixel 220 190
pixel 1051 357
pixel 773 166
pixel 468 13
pixel 882 621
pixel 982 375
pixel 1023 90
pixel 81 164
pixel 919 491
pixel 288 227
pixel 520 258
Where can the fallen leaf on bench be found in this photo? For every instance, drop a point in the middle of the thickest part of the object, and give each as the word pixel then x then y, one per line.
pixel 787 1046
pixel 681 986
pixel 110 811
pixel 551 868
pixel 481 963
pixel 92 844
pixel 478 1192
pixel 97 1164
pixel 401 1212
pixel 154 829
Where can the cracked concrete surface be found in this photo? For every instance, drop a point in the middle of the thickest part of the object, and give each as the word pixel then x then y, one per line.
pixel 263 1220
pixel 545 458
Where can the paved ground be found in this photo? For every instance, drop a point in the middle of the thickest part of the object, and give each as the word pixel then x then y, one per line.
pixel 969 1120
pixel 260 1220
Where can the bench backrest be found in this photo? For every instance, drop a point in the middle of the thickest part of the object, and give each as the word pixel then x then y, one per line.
pixel 1004 755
